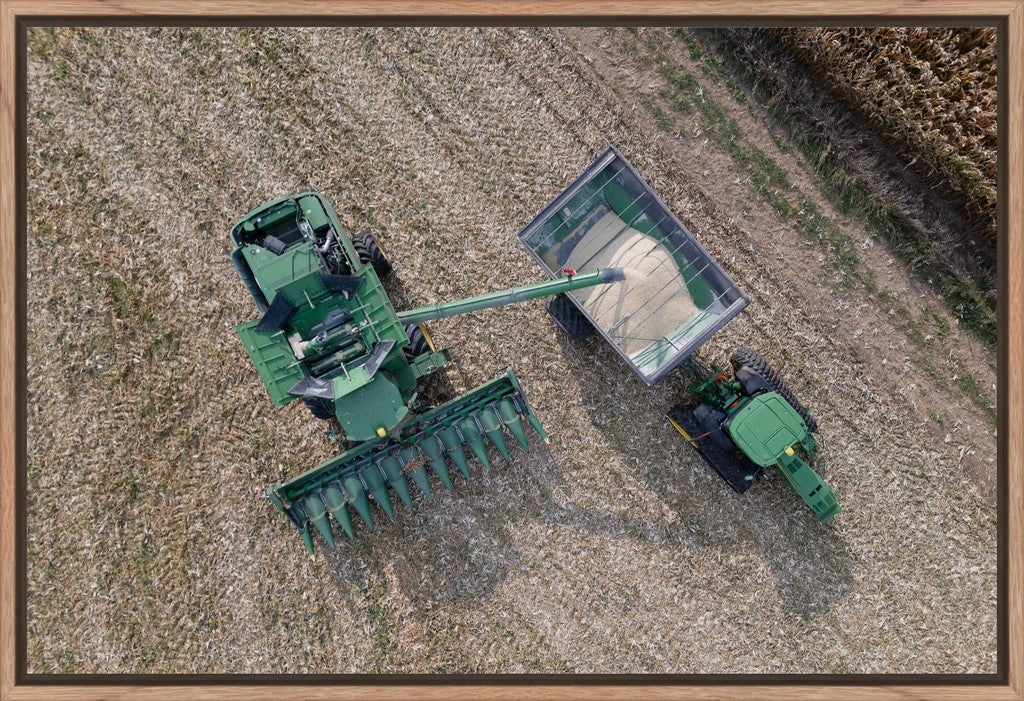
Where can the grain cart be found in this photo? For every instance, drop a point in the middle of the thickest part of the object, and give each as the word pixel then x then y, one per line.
pixel 673 299
pixel 330 336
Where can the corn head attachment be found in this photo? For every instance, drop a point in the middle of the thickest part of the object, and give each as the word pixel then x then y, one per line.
pixel 433 444
pixel 330 336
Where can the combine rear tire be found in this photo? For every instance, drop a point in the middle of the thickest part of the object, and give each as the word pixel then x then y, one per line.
pixel 417 342
pixel 753 360
pixel 569 318
pixel 320 408
pixel 368 252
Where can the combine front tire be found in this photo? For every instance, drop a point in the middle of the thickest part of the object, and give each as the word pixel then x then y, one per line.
pixel 417 342
pixel 750 358
pixel 368 252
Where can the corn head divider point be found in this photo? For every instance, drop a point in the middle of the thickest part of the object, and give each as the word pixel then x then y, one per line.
pixel 330 337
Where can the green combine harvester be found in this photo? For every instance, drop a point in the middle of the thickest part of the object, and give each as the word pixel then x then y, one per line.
pixel 330 336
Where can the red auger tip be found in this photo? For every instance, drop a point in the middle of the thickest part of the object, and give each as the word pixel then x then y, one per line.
pixel 569 271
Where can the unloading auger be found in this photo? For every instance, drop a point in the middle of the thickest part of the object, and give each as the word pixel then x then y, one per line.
pixel 330 336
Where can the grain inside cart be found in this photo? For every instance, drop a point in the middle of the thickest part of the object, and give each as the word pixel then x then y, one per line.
pixel 674 297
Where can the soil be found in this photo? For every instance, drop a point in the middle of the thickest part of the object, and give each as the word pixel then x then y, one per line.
pixel 614 548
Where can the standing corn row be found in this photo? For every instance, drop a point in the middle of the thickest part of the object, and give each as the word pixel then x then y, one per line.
pixel 931 90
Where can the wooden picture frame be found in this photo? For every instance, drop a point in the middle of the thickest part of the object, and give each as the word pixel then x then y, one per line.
pixel 15 684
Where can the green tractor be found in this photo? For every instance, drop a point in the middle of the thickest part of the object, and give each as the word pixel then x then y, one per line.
pixel 752 421
pixel 330 337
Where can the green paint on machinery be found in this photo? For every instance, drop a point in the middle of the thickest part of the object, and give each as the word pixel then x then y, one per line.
pixel 752 421
pixel 743 424
pixel 329 335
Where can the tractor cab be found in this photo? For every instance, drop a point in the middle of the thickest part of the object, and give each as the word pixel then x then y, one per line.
pixel 765 427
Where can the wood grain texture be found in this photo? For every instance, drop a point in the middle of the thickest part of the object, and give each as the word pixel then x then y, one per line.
pixel 1012 11
pixel 487 693
pixel 7 350
pixel 549 8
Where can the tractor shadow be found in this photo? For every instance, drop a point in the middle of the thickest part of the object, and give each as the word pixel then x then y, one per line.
pixel 811 565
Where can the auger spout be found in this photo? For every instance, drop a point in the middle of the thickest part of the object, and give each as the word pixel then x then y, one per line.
pixel 511 296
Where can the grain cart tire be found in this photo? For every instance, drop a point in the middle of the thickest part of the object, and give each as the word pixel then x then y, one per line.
pixel 417 342
pixel 750 358
pixel 319 407
pixel 569 318
pixel 368 252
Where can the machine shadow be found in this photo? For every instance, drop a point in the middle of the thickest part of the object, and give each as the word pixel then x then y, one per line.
pixel 458 547
pixel 811 564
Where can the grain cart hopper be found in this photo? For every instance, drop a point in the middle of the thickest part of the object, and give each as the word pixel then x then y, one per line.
pixel 673 299
pixel 330 336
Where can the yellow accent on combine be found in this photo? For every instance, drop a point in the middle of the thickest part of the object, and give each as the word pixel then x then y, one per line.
pixel 685 434
pixel 789 450
pixel 381 432
pixel 427 338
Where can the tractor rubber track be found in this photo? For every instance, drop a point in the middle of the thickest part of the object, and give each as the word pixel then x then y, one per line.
pixel 733 470
pixel 753 360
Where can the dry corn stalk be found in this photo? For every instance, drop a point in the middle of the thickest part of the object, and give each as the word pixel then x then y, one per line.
pixel 931 90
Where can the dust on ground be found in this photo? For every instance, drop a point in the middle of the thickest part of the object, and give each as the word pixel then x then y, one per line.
pixel 151 547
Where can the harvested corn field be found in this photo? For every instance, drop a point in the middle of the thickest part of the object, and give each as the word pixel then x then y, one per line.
pixel 151 545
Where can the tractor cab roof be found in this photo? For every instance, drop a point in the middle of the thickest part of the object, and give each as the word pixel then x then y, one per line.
pixel 765 426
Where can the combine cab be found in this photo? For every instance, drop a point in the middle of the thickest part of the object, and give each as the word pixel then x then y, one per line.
pixel 329 335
